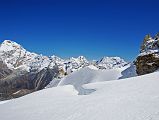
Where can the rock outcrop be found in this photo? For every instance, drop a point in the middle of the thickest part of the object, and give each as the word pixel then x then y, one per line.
pixel 4 71
pixel 148 59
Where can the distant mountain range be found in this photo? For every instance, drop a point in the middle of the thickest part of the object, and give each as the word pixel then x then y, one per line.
pixel 22 72
pixel 15 57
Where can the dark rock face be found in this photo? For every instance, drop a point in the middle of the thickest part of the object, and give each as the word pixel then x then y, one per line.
pixel 44 77
pixel 4 71
pixel 147 64
pixel 148 60
pixel 20 83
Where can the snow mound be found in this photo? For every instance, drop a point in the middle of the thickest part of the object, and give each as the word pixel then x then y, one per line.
pixel 89 75
pixel 3 102
pixel 70 89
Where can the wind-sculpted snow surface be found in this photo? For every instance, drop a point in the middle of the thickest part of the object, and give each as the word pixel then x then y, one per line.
pixel 92 74
pixel 133 98
pixel 88 75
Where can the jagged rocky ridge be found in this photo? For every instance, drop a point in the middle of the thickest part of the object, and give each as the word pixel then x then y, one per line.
pixel 148 59
pixel 22 72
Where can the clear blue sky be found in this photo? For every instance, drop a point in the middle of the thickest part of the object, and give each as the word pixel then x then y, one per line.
pixel 79 27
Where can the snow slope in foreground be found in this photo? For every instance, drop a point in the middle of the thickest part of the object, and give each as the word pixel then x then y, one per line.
pixel 134 98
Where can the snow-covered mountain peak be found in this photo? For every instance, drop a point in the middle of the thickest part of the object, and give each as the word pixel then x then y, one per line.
pixel 107 59
pixel 9 45
pixel 14 55
pixel 82 58
pixel 111 63
pixel 9 42
pixel 56 58
pixel 150 45
pixel 79 59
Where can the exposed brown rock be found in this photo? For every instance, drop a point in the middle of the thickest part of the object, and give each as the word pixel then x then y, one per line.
pixel 148 60
pixel 147 64
pixel 144 44
pixel 21 92
pixel 20 83
pixel 44 77
pixel 4 71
